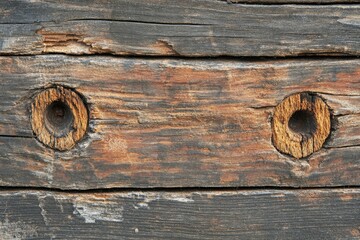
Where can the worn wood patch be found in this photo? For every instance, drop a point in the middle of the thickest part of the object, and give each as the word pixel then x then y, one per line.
pixel 262 214
pixel 166 123
pixel 178 28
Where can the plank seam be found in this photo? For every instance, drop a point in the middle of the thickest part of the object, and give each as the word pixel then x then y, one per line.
pixel 174 189
pixel 289 2
pixel 310 57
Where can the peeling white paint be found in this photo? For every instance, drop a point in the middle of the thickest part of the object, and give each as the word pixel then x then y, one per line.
pixel 147 198
pixel 48 171
pixel 43 211
pixel 352 21
pixel 99 211
pixel 182 199
pixel 141 205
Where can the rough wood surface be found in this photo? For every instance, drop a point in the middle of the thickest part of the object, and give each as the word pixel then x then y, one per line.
pixel 178 28
pixel 183 123
pixel 262 214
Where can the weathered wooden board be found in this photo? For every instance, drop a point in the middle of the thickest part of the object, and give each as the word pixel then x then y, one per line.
pixel 178 28
pixel 262 214
pixel 177 123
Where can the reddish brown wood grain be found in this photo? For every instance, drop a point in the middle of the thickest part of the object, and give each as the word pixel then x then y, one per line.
pixel 177 123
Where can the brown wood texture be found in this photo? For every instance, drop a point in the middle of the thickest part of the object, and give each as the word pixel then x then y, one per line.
pixel 171 123
pixel 261 214
pixel 178 28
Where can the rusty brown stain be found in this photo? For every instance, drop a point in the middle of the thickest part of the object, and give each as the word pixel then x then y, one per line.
pixel 355 232
pixel 163 47
pixel 310 197
pixel 71 43
pixel 229 177
pixel 346 197
pixel 351 77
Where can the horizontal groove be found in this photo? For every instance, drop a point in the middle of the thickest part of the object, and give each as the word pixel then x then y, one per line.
pixel 312 57
pixel 173 189
pixel 135 21
pixel 15 136
pixel 290 2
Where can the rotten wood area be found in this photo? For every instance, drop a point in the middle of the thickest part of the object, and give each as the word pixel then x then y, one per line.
pixel 171 123
pixel 255 214
pixel 179 28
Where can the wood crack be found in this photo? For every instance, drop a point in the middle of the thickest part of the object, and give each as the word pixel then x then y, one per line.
pixel 295 2
pixel 15 136
pixel 344 146
pixel 199 189
pixel 137 21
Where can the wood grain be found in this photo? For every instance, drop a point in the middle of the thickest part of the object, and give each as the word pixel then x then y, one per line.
pixel 172 123
pixel 178 28
pixel 261 214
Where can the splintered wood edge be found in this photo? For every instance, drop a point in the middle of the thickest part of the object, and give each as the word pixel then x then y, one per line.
pixel 294 143
pixel 78 109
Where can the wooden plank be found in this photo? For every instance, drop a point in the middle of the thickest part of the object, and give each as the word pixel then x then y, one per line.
pixel 260 214
pixel 173 28
pixel 177 123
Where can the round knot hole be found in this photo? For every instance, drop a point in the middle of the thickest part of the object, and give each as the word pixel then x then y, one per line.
pixel 303 122
pixel 58 118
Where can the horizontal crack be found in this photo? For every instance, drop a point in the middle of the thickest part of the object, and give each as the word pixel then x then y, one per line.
pixel 346 114
pixel 289 2
pixel 262 107
pixel 337 94
pixel 249 59
pixel 173 189
pixel 136 21
pixel 15 136
pixel 344 146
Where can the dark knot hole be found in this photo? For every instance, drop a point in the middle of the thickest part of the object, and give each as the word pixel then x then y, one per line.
pixel 58 118
pixel 303 122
